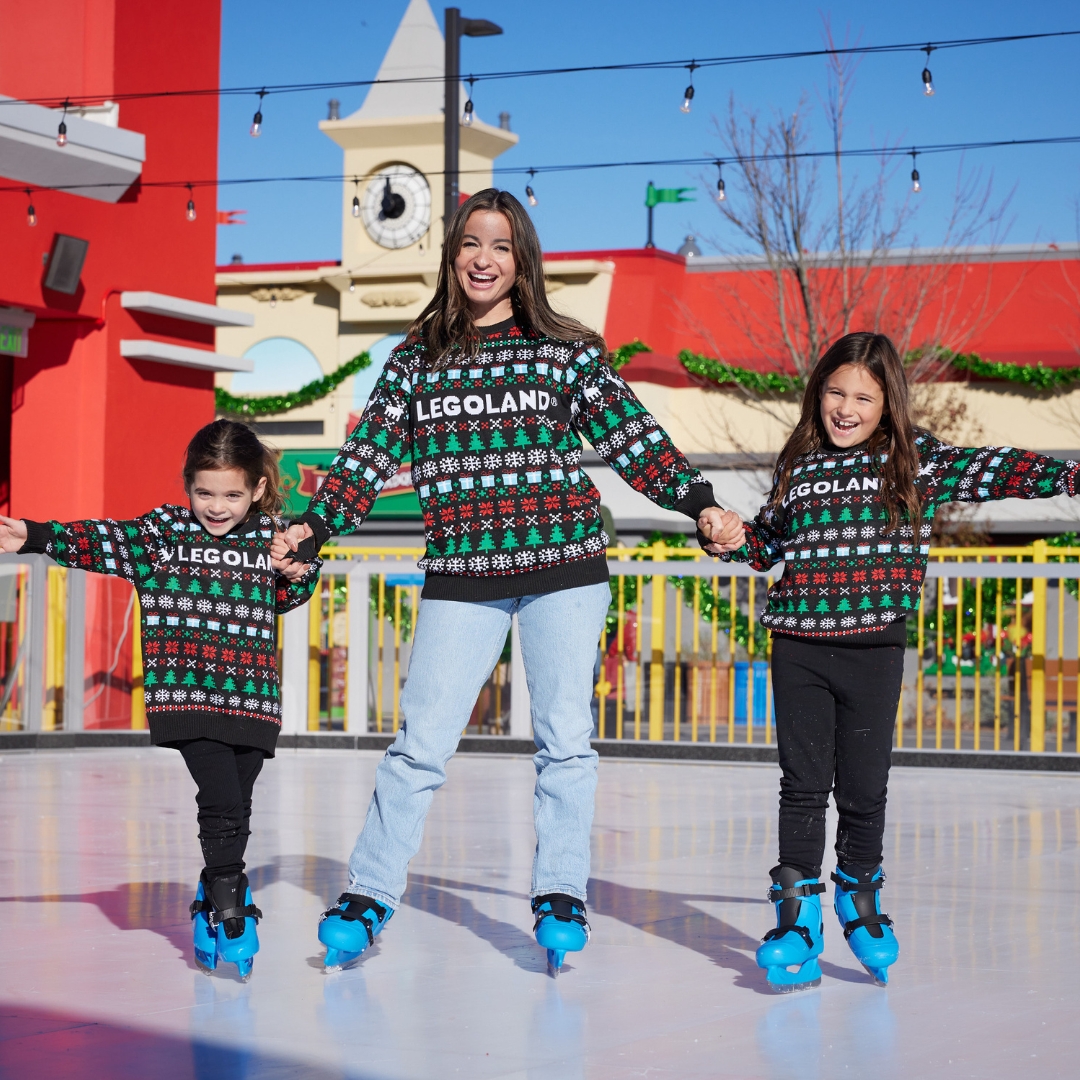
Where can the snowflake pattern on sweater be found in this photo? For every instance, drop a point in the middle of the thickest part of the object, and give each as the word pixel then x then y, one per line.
pixel 207 615
pixel 843 573
pixel 496 454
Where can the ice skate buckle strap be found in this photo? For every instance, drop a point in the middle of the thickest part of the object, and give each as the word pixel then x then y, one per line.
pixel 857 886
pixel 199 905
pixel 363 903
pixel 775 893
pixel 249 911
pixel 780 931
pixel 564 908
pixel 866 920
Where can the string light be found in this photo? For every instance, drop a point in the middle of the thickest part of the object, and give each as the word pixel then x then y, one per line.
pixel 356 198
pixel 190 204
pixel 61 131
pixel 257 119
pixel 31 213
pixel 529 193
pixel 927 78
pixel 915 184
pixel 352 286
pixel 467 115
pixel 688 94
pixel 721 194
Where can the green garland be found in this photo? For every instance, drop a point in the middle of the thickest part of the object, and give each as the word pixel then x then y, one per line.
pixel 625 353
pixel 251 405
pixel 1034 375
pixel 759 382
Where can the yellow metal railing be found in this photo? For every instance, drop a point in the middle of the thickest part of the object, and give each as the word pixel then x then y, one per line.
pixel 992 662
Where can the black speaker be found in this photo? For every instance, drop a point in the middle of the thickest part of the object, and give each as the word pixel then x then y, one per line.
pixel 65 263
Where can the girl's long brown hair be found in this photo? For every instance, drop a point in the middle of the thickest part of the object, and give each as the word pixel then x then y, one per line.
pixel 894 437
pixel 446 326
pixel 227 444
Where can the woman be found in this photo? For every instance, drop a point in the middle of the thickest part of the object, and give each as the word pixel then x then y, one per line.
pixel 487 396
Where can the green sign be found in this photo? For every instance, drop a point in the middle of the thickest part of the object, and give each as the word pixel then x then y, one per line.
pixel 13 340
pixel 302 472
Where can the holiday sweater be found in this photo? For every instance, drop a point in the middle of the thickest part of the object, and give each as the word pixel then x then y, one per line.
pixel 207 607
pixel 495 450
pixel 844 573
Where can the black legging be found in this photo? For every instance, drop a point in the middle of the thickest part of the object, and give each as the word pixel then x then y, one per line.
pixel 225 776
pixel 835 711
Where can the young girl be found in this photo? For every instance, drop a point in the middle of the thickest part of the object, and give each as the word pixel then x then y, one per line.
pixel 849 515
pixel 487 396
pixel 208 598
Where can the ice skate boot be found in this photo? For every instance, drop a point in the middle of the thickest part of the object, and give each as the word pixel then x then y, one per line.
pixel 225 905
pixel 560 927
pixel 868 932
pixel 798 937
pixel 205 935
pixel 349 927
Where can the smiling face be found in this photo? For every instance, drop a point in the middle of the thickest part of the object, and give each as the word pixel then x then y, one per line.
pixel 485 267
pixel 221 498
pixel 852 404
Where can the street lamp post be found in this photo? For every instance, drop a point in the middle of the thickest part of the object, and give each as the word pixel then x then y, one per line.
pixel 456 28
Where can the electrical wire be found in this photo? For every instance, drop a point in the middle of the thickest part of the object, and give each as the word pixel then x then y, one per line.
pixel 537 170
pixel 266 89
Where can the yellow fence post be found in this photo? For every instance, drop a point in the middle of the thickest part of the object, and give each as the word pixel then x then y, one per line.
pixel 138 695
pixel 1038 653
pixel 315 615
pixel 656 665
pixel 56 597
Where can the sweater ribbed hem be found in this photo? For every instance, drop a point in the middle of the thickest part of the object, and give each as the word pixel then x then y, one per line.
pixel 38 535
pixel 232 730
pixel 465 589
pixel 895 633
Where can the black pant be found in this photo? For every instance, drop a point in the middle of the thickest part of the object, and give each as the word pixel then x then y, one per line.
pixel 225 776
pixel 835 711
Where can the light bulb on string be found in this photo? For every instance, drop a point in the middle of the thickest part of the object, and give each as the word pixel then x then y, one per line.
pixel 688 93
pixel 356 198
pixel 61 131
pixel 721 194
pixel 915 183
pixel 257 119
pixel 190 212
pixel 529 193
pixel 927 78
pixel 31 213
pixel 467 115
pixel 352 286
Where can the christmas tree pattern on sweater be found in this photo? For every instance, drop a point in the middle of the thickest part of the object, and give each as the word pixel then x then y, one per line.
pixel 843 572
pixel 207 611
pixel 496 454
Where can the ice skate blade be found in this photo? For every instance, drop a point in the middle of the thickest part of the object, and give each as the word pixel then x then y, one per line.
pixel 555 958
pixel 782 981
pixel 879 975
pixel 205 968
pixel 336 960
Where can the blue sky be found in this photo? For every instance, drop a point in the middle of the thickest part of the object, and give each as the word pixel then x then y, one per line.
pixel 1020 90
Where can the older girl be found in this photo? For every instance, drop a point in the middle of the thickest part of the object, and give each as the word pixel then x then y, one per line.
pixel 849 516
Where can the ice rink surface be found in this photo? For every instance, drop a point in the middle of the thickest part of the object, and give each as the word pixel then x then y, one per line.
pixel 99 861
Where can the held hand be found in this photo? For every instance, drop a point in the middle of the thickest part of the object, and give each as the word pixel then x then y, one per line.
pixel 723 527
pixel 12 534
pixel 295 533
pixel 280 559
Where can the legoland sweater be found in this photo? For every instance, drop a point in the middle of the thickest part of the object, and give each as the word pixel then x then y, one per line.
pixel 495 453
pixel 844 575
pixel 207 607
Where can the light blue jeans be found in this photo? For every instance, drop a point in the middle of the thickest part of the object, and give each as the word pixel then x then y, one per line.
pixel 454 651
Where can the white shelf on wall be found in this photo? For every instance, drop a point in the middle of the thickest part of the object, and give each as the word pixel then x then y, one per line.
pixel 163 352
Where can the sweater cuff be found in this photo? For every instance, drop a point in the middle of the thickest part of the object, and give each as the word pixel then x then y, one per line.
pixel 38 535
pixel 699 497
pixel 308 550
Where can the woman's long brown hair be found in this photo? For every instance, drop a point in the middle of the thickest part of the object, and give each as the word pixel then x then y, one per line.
pixel 894 437
pixel 446 326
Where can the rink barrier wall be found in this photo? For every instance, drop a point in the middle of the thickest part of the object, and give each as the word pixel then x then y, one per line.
pixel 683 668
pixel 607 748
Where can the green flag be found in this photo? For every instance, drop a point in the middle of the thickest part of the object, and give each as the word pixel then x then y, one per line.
pixel 655 195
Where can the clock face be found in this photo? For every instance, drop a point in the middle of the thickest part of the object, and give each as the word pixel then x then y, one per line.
pixel 396 206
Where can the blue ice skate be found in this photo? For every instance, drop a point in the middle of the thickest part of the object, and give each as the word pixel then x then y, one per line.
pixel 798 937
pixel 560 927
pixel 223 929
pixel 349 927
pixel 869 935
